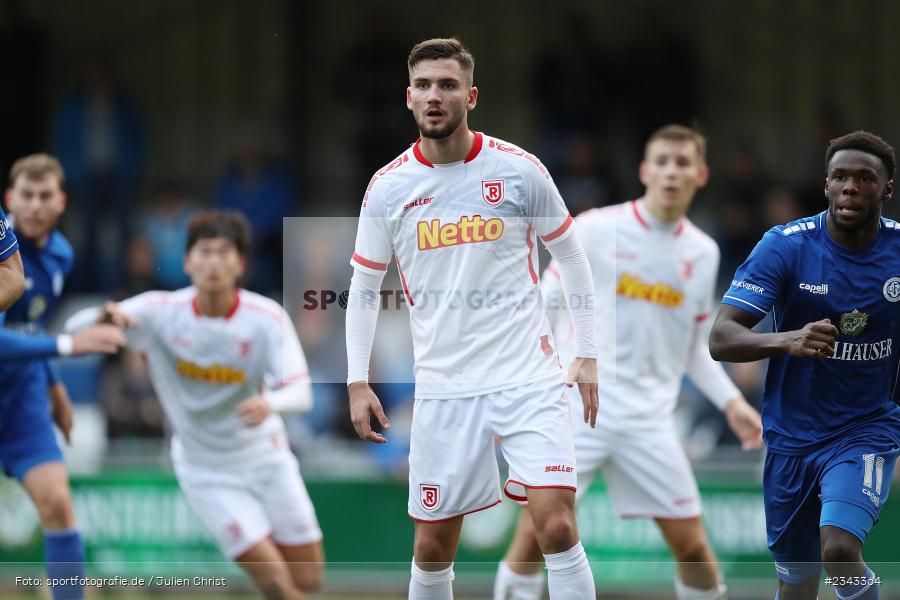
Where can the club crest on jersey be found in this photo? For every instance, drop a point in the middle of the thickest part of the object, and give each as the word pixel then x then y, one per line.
pixel 891 289
pixel 492 191
pixel 853 322
pixel 430 496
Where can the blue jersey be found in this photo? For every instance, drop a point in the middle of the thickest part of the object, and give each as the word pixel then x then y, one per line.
pixel 23 343
pixel 8 242
pixel 800 274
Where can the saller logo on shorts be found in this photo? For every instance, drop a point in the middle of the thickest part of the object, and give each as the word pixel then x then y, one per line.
pixel 430 495
pixel 468 230
pixel 558 469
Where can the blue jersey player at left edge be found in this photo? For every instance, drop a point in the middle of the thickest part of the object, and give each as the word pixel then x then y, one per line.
pixel 31 396
pixel 830 420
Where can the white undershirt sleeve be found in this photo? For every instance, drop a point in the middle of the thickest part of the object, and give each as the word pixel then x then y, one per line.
pixel 578 285
pixel 362 317
pixel 708 375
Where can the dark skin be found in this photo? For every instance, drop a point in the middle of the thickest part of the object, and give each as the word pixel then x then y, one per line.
pixel 856 187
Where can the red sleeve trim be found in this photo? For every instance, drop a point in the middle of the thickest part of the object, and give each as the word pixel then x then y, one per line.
pixel 419 156
pixel 476 147
pixel 369 263
pixel 559 231
pixel 702 317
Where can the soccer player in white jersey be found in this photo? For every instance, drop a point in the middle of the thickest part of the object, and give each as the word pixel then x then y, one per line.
pixel 224 361
pixel 655 276
pixel 460 211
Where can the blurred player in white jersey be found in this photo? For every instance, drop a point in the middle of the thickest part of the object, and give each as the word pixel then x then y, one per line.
pixel 224 361
pixel 655 276
pixel 460 212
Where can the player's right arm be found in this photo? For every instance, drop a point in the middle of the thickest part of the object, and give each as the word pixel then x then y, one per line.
pixel 370 260
pixel 757 284
pixel 12 278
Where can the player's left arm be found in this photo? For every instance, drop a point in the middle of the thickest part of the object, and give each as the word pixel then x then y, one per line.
pixel 292 391
pixel 552 222
pixel 709 376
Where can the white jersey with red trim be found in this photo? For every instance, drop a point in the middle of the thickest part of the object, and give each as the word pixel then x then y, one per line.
pixel 463 237
pixel 203 367
pixel 654 289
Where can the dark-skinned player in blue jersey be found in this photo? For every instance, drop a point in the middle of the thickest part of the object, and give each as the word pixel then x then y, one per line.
pixel 830 422
pixel 31 396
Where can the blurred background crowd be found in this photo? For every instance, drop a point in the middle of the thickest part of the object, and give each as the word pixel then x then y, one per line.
pixel 284 108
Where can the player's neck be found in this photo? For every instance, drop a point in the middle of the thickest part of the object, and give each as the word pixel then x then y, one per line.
pixel 216 304
pixel 852 240
pixel 667 215
pixel 453 148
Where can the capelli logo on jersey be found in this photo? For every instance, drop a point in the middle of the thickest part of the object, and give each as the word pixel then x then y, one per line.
pixel 468 230
pixel 218 374
pixel 821 289
pixel 632 286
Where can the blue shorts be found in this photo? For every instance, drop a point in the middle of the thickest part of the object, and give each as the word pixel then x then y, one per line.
pixel 27 438
pixel 843 485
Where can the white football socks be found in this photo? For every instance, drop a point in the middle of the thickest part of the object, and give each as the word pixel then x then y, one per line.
pixel 510 585
pixel 569 575
pixel 431 585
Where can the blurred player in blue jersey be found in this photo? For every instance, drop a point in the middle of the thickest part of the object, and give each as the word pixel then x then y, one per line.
pixel 830 421
pixel 29 391
pixel 12 277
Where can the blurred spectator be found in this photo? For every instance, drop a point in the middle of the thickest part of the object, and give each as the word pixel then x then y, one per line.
pixel 585 180
pixel 165 230
pixel 129 401
pixel 571 90
pixel 375 67
pixel 660 76
pixel 98 136
pixel 780 206
pixel 265 190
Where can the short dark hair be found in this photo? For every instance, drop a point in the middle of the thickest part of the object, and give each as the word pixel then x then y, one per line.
pixel 436 48
pixel 228 224
pixel 864 142
pixel 679 133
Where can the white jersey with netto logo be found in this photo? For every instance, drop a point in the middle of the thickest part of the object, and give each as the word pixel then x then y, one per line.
pixel 654 289
pixel 203 367
pixel 463 236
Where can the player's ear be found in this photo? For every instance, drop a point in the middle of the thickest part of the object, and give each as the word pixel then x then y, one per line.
pixel 409 97
pixel 888 191
pixel 703 175
pixel 7 197
pixel 64 198
pixel 642 172
pixel 473 98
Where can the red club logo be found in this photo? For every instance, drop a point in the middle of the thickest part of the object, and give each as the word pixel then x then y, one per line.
pixel 492 191
pixel 244 349
pixel 431 495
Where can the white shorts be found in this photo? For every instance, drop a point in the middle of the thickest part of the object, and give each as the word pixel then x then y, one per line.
pixel 646 471
pixel 241 506
pixel 452 458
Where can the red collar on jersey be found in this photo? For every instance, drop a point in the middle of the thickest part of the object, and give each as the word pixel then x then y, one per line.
pixel 646 225
pixel 228 315
pixel 476 148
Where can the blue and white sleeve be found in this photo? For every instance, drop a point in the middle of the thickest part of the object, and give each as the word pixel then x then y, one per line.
pixel 9 245
pixel 759 282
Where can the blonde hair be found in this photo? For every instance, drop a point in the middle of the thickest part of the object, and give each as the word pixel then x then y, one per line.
pixel 37 166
